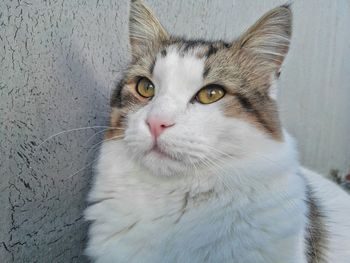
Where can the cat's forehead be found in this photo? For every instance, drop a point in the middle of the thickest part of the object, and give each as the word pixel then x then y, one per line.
pixel 176 69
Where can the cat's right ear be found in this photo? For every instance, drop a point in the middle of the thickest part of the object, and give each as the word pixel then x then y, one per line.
pixel 268 39
pixel 145 30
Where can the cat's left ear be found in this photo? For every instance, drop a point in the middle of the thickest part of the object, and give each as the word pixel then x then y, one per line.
pixel 145 31
pixel 268 39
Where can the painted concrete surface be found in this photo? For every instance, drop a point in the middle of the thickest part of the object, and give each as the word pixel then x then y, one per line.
pixel 60 60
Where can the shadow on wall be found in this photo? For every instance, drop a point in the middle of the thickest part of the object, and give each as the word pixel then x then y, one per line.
pixel 56 78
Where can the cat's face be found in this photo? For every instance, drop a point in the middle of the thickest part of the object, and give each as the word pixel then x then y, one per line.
pixel 187 105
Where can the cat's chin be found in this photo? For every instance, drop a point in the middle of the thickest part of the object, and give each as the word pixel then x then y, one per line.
pixel 160 163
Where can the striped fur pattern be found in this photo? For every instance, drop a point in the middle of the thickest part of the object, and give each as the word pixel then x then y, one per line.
pixel 316 231
pixel 222 183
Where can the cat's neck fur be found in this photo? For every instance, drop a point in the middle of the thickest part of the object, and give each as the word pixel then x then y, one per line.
pixel 202 209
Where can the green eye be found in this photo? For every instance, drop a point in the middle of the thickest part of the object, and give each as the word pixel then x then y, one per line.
pixel 210 94
pixel 145 87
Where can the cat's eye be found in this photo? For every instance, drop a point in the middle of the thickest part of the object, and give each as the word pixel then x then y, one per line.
pixel 210 94
pixel 145 87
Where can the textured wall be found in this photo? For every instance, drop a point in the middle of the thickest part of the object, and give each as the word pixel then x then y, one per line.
pixel 59 60
pixel 58 63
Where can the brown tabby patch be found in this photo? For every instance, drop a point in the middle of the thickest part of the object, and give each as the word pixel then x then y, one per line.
pixel 116 125
pixel 124 100
pixel 247 83
pixel 316 233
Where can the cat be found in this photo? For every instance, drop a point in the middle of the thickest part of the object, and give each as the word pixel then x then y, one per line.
pixel 196 166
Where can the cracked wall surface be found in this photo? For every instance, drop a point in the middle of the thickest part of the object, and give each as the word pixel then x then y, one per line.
pixel 59 61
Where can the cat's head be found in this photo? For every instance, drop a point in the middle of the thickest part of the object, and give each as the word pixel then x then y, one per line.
pixel 190 104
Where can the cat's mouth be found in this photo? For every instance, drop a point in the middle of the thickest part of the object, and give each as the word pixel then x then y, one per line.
pixel 160 153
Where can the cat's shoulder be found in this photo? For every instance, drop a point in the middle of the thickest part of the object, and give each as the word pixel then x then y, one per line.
pixel 333 208
pixel 326 190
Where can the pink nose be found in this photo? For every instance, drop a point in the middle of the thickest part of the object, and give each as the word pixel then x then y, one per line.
pixel 157 126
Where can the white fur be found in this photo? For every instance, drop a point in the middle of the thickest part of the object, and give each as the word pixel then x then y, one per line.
pixel 230 193
pixel 273 91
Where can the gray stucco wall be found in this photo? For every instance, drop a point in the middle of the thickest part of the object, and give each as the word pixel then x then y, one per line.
pixel 59 61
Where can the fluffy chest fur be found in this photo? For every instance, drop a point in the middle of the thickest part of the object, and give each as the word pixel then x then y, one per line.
pixel 140 218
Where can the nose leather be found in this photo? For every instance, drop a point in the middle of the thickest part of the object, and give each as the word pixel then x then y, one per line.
pixel 158 125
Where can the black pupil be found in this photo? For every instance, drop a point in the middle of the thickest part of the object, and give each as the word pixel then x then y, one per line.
pixel 211 93
pixel 148 86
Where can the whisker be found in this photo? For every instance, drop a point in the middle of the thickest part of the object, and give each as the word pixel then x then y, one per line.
pixel 83 168
pixel 196 175
pixel 86 166
pixel 230 156
pixel 89 139
pixel 96 144
pixel 105 140
pixel 212 165
pixel 92 136
pixel 76 129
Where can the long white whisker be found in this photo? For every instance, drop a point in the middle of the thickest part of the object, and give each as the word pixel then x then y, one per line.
pixel 221 171
pixel 76 129
pixel 229 156
pixel 105 140
pixel 86 166
pixel 89 139
pixel 96 144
